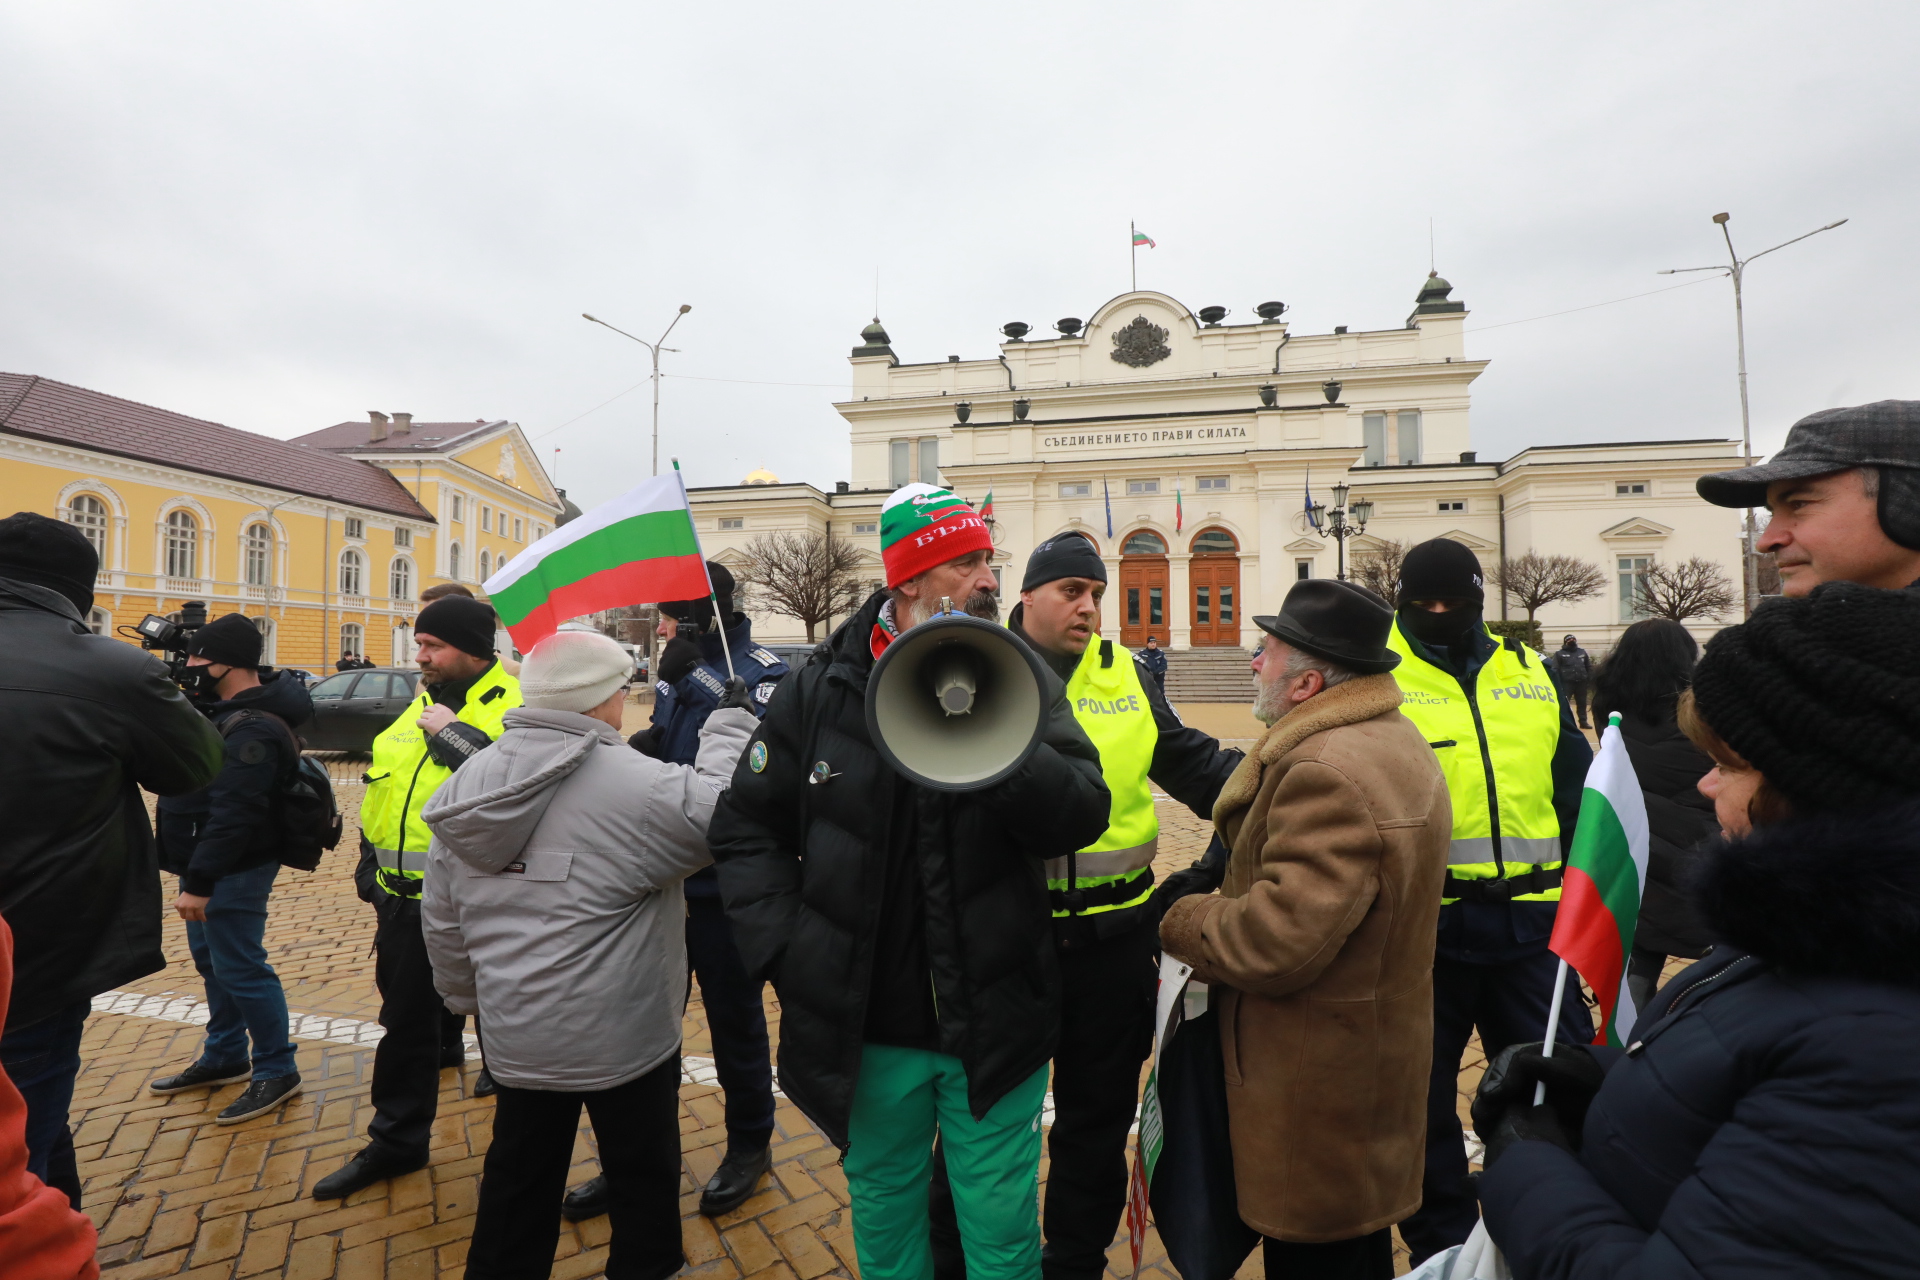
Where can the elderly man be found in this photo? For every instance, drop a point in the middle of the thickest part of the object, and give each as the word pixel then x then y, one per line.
pixel 907 930
pixel 1319 945
pixel 1843 494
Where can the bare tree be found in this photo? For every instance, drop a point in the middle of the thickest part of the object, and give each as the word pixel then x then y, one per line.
pixel 1378 568
pixel 1695 588
pixel 808 576
pixel 1535 580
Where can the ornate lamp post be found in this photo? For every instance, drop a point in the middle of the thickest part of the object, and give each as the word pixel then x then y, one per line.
pixel 1335 522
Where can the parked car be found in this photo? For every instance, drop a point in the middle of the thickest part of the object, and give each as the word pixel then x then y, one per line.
pixel 794 655
pixel 351 708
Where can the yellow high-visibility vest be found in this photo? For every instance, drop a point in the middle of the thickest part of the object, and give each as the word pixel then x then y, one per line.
pixel 1495 742
pixel 1111 874
pixel 404 775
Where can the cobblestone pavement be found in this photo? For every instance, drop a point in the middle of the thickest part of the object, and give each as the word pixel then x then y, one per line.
pixel 176 1195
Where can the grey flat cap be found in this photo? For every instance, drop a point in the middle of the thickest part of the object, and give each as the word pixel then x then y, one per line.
pixel 1885 433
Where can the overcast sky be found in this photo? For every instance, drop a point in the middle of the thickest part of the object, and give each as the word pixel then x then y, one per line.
pixel 281 216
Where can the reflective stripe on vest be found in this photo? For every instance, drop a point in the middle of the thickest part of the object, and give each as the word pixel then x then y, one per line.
pixel 1112 708
pixel 1496 747
pixel 404 775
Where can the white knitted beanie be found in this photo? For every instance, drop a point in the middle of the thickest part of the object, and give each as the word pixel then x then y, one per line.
pixel 574 671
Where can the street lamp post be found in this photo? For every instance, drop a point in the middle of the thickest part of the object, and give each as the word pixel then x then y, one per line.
pixel 1737 269
pixel 1335 524
pixel 655 348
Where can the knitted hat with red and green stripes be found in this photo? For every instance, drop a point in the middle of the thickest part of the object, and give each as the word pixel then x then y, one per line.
pixel 921 526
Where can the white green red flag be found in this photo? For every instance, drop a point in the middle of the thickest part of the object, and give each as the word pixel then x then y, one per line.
pixel 637 549
pixel 1606 874
pixel 1142 238
pixel 986 508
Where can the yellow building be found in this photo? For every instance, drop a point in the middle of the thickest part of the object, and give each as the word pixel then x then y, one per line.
pixel 328 553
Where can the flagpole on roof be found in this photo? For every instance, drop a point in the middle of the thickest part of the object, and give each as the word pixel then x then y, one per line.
pixel 719 622
pixel 1133 257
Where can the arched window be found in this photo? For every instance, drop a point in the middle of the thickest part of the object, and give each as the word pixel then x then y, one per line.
pixel 400 579
pixel 352 639
pixel 352 572
pixel 1144 543
pixel 486 565
pixel 453 561
pixel 1215 542
pixel 259 549
pixel 100 622
pixel 90 515
pixel 183 544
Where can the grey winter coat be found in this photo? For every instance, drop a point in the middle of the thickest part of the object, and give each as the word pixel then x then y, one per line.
pixel 552 906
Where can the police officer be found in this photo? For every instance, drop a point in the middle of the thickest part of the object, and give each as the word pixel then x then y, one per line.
pixel 1515 764
pixel 1105 910
pixel 464 696
pixel 693 676
pixel 1154 659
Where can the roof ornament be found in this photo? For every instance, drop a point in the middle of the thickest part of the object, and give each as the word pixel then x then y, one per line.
pixel 1139 343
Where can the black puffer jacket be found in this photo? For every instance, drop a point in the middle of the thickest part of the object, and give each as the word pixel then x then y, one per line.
pixel 230 825
pixel 88 722
pixel 1680 820
pixel 1766 1119
pixel 802 870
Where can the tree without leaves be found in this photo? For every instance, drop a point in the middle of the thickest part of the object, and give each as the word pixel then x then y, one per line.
pixel 1536 581
pixel 808 576
pixel 1378 569
pixel 1693 589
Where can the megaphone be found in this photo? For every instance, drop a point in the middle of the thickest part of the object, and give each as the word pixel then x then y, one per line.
pixel 956 704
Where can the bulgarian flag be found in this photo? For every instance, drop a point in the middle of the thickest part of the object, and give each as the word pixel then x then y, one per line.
pixel 1142 238
pixel 636 549
pixel 1606 875
pixel 1179 516
pixel 986 508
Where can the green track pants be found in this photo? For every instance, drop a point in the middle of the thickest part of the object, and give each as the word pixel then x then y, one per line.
pixel 904 1097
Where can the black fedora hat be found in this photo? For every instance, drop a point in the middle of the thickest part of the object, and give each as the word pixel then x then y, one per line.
pixel 1337 621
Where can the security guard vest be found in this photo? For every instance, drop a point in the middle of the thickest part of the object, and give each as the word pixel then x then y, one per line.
pixel 1111 874
pixel 1495 740
pixel 682 709
pixel 404 775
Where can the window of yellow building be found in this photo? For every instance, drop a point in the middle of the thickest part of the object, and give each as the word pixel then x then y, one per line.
pixel 352 572
pixel 183 544
pixel 400 579
pixel 90 515
pixel 259 547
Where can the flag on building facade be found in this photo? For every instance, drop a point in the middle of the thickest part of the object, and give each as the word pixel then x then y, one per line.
pixel 1307 488
pixel 1142 238
pixel 1179 514
pixel 1606 874
pixel 986 508
pixel 1107 497
pixel 638 548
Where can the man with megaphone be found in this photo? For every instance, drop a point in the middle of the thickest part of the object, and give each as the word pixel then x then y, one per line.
pixel 882 855
pixel 1106 912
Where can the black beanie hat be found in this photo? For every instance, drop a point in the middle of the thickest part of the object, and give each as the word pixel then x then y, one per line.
pixel 49 553
pixel 698 612
pixel 460 621
pixel 233 640
pixel 1065 555
pixel 1819 693
pixel 1440 569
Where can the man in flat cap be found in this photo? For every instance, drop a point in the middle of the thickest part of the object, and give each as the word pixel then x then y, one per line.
pixel 1843 494
pixel 1319 945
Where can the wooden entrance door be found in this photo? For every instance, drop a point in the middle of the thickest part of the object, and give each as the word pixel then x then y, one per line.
pixel 1213 578
pixel 1143 590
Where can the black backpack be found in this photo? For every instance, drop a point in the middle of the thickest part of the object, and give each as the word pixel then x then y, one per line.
pixel 305 817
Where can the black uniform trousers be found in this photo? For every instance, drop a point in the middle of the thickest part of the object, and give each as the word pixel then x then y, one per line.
pixel 736 1023
pixel 1507 1002
pixel 1573 698
pixel 406 1064
pixel 638 1127
pixel 1106 1032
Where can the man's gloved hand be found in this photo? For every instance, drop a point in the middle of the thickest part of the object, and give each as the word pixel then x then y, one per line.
pixel 647 741
pixel 1204 876
pixel 679 657
pixel 1572 1077
pixel 736 695
pixel 1521 1122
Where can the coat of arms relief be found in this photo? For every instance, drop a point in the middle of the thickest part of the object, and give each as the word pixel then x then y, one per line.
pixel 1140 342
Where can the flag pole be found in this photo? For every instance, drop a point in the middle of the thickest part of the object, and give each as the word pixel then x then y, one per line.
pixel 720 622
pixel 1133 254
pixel 1553 1023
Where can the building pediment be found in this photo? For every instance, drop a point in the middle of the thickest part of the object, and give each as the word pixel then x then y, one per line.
pixel 1637 527
pixel 1472 542
pixel 1306 545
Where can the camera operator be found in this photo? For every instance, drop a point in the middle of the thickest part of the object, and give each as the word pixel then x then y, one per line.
pixel 223 842
pixel 90 721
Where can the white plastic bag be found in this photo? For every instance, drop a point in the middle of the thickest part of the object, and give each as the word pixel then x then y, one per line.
pixel 1478 1259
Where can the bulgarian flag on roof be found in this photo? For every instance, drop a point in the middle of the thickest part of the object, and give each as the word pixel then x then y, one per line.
pixel 986 508
pixel 1142 238
pixel 1605 877
pixel 638 548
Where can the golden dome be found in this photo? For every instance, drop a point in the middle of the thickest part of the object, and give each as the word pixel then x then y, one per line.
pixel 762 476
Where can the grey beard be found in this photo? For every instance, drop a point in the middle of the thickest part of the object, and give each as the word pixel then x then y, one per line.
pixel 981 604
pixel 1268 706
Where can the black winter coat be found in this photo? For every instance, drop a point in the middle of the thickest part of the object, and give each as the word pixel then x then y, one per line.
pixel 1679 820
pixel 230 825
pixel 802 870
pixel 87 721
pixel 1765 1119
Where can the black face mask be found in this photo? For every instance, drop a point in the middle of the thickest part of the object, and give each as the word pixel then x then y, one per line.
pixel 200 684
pixel 1440 629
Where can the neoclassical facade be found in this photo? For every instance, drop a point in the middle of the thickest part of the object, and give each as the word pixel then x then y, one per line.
pixel 1187 449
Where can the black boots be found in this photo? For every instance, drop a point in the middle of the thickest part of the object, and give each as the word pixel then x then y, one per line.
pixel 731 1186
pixel 365 1169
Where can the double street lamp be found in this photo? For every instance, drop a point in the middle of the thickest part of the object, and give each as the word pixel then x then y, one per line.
pixel 1334 522
pixel 1737 269
pixel 655 349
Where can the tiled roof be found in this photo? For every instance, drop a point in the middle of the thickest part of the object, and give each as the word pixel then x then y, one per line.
pixel 42 409
pixel 422 437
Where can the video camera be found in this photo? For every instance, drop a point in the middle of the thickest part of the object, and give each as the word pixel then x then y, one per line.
pixel 160 634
